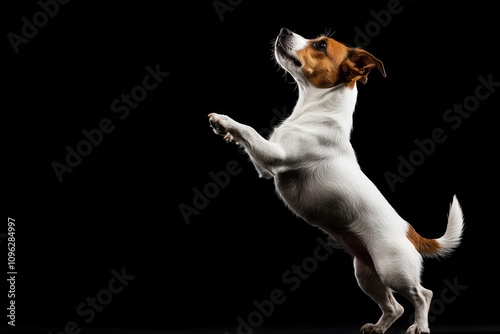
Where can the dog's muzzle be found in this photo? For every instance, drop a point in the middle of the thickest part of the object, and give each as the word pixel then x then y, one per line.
pixel 283 46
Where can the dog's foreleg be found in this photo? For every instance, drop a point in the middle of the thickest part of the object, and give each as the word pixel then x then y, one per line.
pixel 263 173
pixel 264 154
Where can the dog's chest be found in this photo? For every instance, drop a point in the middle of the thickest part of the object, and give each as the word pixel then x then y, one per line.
pixel 314 181
pixel 310 139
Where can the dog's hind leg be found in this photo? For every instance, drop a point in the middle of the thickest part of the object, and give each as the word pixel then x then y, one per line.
pixel 371 284
pixel 421 299
pixel 400 271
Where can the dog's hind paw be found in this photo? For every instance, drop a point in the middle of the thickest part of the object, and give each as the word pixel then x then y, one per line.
pixel 372 329
pixel 415 329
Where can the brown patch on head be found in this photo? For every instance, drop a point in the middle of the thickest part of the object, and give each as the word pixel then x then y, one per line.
pixel 327 63
pixel 321 61
pixel 422 245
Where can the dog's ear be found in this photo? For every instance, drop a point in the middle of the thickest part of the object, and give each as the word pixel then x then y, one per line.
pixel 358 65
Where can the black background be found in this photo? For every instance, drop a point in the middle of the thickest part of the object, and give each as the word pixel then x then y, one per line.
pixel 119 208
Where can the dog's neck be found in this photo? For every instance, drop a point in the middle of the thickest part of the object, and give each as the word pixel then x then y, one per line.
pixel 336 103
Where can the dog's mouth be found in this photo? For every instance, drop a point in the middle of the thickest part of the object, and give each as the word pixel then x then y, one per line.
pixel 283 51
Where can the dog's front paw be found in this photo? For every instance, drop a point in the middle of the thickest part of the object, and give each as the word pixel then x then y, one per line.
pixel 216 122
pixel 221 124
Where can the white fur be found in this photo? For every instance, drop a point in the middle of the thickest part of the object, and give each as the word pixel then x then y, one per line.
pixel 317 175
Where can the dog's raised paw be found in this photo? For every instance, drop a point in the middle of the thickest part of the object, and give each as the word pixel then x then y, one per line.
pixel 222 125
pixel 215 122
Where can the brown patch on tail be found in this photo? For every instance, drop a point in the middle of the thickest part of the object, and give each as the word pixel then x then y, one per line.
pixel 422 245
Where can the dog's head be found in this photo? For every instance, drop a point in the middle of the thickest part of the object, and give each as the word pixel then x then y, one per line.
pixel 323 62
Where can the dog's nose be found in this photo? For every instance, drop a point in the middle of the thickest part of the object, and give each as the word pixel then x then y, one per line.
pixel 285 31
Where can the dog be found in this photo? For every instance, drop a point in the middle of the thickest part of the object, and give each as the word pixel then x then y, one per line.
pixel 316 174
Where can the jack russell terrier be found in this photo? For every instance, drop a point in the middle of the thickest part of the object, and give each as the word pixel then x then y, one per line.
pixel 317 175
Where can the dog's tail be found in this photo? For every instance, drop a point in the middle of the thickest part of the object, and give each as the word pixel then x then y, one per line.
pixel 445 245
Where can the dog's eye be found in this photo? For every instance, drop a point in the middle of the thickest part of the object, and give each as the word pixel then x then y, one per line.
pixel 321 45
